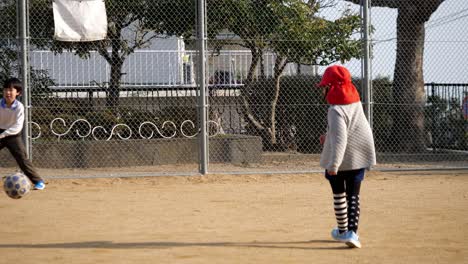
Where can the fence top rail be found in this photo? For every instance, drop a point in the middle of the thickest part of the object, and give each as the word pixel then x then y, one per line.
pixel 447 84
pixel 151 87
pixel 154 51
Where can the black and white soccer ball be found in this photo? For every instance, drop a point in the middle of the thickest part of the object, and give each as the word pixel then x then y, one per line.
pixel 17 185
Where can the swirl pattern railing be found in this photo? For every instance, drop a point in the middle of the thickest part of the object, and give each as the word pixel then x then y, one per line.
pixel 58 127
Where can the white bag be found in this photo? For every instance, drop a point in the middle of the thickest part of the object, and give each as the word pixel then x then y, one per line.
pixel 80 20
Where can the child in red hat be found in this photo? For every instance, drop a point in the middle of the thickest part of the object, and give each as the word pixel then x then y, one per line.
pixel 348 149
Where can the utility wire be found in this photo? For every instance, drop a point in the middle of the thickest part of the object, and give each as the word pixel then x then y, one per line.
pixel 446 17
pixel 446 22
pixel 452 17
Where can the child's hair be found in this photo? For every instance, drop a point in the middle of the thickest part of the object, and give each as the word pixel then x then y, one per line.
pixel 15 83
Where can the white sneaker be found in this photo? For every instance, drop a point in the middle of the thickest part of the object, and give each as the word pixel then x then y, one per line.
pixel 336 235
pixel 352 240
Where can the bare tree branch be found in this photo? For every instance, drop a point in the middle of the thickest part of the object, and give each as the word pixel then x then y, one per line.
pixel 140 42
pixel 130 21
pixel 323 3
pixel 102 50
pixel 250 115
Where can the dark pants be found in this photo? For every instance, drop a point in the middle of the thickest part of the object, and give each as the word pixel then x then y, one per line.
pixel 16 147
pixel 349 182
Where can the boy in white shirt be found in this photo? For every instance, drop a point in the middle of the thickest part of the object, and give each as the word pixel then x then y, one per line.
pixel 11 125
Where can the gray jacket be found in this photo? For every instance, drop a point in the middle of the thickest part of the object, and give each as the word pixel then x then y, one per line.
pixel 349 144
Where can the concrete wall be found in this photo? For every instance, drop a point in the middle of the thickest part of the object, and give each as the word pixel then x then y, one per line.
pixel 91 154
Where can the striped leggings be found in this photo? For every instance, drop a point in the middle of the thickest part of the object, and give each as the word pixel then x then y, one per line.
pixel 346 186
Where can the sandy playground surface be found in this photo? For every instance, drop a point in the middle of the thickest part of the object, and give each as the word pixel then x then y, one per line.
pixel 406 217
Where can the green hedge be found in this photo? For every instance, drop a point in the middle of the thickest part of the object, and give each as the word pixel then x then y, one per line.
pixel 301 112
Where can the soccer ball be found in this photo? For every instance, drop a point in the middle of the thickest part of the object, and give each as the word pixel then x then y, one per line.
pixel 17 185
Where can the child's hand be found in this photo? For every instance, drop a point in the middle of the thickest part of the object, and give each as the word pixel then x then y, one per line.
pixel 332 173
pixel 322 139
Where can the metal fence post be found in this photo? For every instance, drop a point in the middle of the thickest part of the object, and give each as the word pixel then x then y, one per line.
pixel 367 93
pixel 433 114
pixel 202 103
pixel 23 43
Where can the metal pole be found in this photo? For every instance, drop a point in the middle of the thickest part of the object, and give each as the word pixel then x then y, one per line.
pixel 367 63
pixel 202 102
pixel 23 43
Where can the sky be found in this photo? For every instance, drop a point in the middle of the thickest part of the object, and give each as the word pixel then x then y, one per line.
pixel 446 43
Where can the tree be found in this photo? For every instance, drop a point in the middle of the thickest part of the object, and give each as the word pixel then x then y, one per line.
pixel 127 31
pixel 310 40
pixel 9 61
pixel 130 27
pixel 408 84
pixel 445 123
pixel 295 34
pixel 289 28
pixel 9 67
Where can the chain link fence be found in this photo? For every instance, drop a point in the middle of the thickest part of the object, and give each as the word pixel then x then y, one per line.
pixel 418 106
pixel 130 104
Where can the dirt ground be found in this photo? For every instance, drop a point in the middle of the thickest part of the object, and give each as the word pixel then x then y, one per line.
pixel 406 217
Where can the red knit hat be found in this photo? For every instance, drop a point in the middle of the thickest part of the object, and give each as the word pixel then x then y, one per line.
pixel 342 90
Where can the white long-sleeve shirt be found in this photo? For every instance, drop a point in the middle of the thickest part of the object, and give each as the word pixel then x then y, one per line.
pixel 11 119
pixel 349 144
